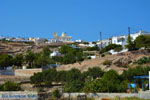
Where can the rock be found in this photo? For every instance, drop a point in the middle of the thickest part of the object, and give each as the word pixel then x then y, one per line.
pixel 122 62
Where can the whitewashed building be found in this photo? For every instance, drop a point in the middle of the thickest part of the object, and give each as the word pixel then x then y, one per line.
pixel 55 53
pixel 121 40
pixel 103 43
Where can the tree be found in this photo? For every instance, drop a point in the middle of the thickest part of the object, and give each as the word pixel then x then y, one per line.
pixel 6 60
pixel 118 48
pixel 93 73
pixel 29 58
pixel 130 44
pixel 66 49
pixel 46 51
pixel 49 76
pixel 143 41
pixel 95 48
pixel 105 85
pixel 93 86
pixel 74 86
pixel 71 55
pixel 69 58
pixel 110 81
pixel 10 86
pixel 18 60
pixel 74 81
pixel 56 94
pixel 41 60
pixel 61 76
pixel 115 47
pixel 37 79
pixel 73 74
pixel 143 60
pixel 44 78
pixel 128 75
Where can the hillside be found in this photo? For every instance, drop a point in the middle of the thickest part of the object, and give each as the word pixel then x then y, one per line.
pixel 14 48
pixel 123 58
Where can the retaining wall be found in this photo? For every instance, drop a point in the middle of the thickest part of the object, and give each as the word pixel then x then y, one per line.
pixel 98 96
pixel 27 72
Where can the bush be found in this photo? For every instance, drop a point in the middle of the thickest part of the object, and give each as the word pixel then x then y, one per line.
pixel 71 55
pixel 56 94
pixel 111 47
pixel 10 86
pixel 143 60
pixel 143 41
pixel 102 55
pixel 95 48
pixel 93 73
pixel 128 74
pixel 107 62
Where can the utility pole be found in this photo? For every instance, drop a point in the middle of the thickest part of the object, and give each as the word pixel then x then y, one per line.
pixel 101 38
pixel 128 30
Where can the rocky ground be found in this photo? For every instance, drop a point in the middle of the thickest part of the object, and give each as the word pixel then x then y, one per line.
pixel 119 61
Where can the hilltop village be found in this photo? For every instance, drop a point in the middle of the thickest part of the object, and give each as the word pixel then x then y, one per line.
pixel 56 67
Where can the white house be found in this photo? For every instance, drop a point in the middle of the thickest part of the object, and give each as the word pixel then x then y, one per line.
pixel 79 41
pixel 55 53
pixel 38 40
pixel 103 43
pixel 91 44
pixel 121 40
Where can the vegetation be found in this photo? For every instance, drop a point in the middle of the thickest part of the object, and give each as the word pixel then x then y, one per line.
pixel 107 62
pixel 38 60
pixel 5 61
pixel 143 41
pixel 128 75
pixel 143 60
pixel 56 94
pixel 93 80
pixel 114 47
pixel 10 86
pixel 93 73
pixel 110 82
pixel 139 42
pixel 18 60
pixel 131 45
pixel 71 55
pixel 129 98
pixel 95 48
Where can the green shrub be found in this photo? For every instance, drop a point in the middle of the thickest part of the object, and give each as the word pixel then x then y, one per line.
pixel 95 48
pixel 56 94
pixel 143 60
pixel 10 86
pixel 102 55
pixel 111 47
pixel 107 62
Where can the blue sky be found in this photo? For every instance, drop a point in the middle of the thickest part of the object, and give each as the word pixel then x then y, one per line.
pixel 82 19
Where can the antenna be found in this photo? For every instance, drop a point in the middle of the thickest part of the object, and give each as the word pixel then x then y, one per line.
pixel 100 34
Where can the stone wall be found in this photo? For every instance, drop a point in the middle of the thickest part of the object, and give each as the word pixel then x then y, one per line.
pixel 6 72
pixel 98 96
pixel 19 95
pixel 27 72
